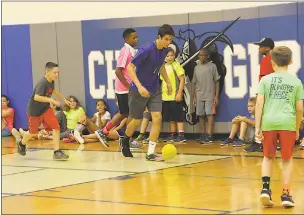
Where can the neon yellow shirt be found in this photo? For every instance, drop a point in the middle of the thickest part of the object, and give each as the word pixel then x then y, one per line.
pixel 72 117
pixel 173 79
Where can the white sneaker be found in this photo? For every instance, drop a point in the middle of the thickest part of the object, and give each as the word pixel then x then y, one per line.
pixel 78 137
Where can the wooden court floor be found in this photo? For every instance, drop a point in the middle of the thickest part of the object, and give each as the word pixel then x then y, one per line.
pixel 96 180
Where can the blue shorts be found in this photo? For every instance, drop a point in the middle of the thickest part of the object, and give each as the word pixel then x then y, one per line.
pixel 5 132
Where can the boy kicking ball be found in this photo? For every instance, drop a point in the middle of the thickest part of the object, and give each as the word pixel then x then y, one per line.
pixel 39 111
pixel 279 112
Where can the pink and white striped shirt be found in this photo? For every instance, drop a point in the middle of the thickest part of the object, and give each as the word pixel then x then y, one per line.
pixel 125 56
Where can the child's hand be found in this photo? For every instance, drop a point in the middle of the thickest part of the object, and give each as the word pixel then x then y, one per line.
pixel 143 92
pixel 236 119
pixel 55 102
pixel 259 135
pixel 194 101
pixel 216 101
pixel 242 118
pixel 178 97
pixel 67 102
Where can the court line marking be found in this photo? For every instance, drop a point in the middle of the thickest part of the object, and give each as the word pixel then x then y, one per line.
pixel 210 176
pixel 16 173
pixel 9 195
pixel 90 170
pixel 109 178
pixel 91 150
pixel 238 210
pixel 128 203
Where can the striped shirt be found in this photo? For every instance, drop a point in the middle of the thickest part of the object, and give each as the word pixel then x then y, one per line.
pixel 125 56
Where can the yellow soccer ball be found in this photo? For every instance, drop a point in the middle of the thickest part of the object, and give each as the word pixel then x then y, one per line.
pixel 169 151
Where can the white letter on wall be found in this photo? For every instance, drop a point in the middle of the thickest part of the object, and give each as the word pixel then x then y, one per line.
pixel 111 72
pixel 96 93
pixel 237 71
pixel 253 51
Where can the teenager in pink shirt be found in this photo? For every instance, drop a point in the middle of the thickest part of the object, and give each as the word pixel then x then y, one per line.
pixel 7 117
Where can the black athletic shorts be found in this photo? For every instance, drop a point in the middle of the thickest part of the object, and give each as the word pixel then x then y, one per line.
pixel 172 111
pixel 123 103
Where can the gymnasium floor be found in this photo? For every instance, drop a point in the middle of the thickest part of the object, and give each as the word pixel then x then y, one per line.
pixel 200 180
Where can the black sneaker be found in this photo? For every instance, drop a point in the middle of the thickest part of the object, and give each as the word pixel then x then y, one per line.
pixel 287 200
pixel 154 157
pixel 255 147
pixel 60 155
pixel 180 139
pixel 21 148
pixel 102 138
pixel 226 142
pixel 170 138
pixel 125 147
pixel 209 138
pixel 201 138
pixel 265 198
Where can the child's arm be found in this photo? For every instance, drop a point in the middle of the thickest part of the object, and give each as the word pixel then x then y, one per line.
pixel 101 122
pixel 94 118
pixel 59 95
pixel 181 86
pixel 7 112
pixel 164 74
pixel 248 121
pixel 105 118
pixel 216 78
pixel 194 80
pixel 258 114
pixel 121 77
pixel 217 91
pixel 299 115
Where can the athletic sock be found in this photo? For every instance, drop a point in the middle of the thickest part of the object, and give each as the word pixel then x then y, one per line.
pixel 266 182
pixel 80 127
pixel 107 128
pixel 181 133
pixel 151 148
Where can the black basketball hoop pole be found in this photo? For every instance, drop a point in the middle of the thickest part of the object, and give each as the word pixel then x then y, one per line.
pixel 219 34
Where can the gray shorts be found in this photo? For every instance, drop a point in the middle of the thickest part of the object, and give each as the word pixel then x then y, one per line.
pixel 250 134
pixel 137 103
pixel 204 108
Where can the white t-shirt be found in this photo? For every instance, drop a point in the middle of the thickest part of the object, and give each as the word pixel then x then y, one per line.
pixel 105 116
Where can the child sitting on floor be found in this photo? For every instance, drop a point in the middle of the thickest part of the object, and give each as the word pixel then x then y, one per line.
pixel 245 125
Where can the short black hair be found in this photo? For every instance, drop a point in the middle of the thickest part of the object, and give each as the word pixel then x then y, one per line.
pixel 166 30
pixel 50 65
pixel 5 96
pixel 106 105
pixel 127 32
pixel 205 50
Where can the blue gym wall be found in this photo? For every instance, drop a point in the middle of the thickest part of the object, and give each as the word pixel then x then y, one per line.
pixel 280 22
pixel 17 69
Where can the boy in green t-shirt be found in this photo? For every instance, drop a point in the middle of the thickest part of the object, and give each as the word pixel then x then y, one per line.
pixel 279 112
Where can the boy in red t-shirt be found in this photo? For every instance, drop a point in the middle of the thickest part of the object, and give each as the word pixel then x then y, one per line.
pixel 265 46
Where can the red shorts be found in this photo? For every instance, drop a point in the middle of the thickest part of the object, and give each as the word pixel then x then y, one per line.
pixel 286 139
pixel 48 119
